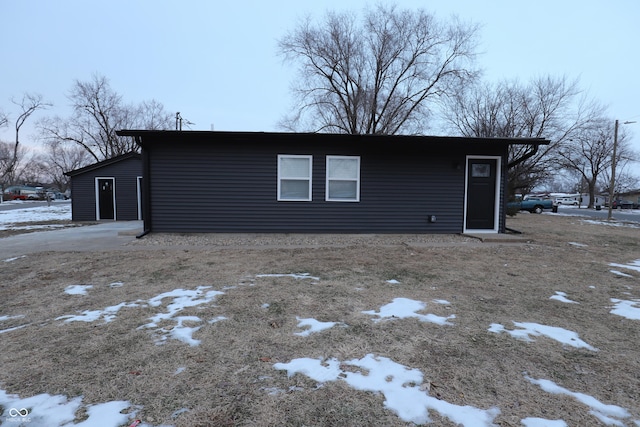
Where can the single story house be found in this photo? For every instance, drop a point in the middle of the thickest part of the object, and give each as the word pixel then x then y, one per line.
pixel 212 181
pixel 108 190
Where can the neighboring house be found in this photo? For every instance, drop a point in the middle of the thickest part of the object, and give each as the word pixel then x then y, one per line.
pixel 107 190
pixel 206 181
pixel 632 195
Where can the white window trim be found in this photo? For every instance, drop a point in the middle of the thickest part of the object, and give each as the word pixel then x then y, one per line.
pixel 280 177
pixel 327 198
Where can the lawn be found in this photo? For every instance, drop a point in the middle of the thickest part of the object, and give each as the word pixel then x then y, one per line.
pixel 384 331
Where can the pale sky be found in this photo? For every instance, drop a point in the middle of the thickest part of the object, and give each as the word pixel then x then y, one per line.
pixel 216 62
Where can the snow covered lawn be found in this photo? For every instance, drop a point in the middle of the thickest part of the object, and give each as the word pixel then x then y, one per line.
pixel 34 218
pixel 542 334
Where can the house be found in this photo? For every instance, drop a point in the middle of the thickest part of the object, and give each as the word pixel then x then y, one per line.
pixel 107 190
pixel 631 195
pixel 211 181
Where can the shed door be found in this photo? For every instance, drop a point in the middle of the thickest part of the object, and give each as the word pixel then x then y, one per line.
pixel 482 190
pixel 105 198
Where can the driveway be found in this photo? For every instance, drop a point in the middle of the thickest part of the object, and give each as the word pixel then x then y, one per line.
pixel 104 236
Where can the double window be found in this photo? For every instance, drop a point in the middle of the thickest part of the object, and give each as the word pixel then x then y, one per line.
pixel 295 178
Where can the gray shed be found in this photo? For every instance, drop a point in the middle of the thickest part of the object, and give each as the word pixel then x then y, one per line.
pixel 211 181
pixel 108 190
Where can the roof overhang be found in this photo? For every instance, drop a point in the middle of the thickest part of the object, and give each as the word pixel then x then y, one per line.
pixel 142 137
pixel 103 163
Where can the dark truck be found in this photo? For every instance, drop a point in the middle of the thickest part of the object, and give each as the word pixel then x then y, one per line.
pixel 531 204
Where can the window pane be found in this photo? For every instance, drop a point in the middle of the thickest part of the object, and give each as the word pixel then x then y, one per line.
pixel 480 170
pixel 294 189
pixel 343 168
pixel 292 167
pixel 345 190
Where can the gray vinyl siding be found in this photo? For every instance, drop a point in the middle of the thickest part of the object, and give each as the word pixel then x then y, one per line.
pixel 83 190
pixel 231 186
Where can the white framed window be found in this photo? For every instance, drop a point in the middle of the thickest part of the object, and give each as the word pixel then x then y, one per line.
pixel 294 177
pixel 343 179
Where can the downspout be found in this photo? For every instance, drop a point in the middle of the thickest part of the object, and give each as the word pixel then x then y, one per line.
pixel 146 193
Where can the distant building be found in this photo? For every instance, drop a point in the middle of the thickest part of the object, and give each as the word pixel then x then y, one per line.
pixel 107 190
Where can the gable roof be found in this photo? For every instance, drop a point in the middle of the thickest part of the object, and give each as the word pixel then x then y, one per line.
pixel 98 165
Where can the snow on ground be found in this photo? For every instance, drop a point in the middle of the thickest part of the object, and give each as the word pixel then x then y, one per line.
pixel 45 410
pixel 607 414
pixel 625 308
pixel 610 223
pixel 14 258
pixel 55 212
pixel 579 245
pixel 77 289
pixel 180 299
pixel 402 308
pixel 633 265
pixel 620 273
pixel 314 326
pixel 527 330
pixel 400 386
pixel 562 297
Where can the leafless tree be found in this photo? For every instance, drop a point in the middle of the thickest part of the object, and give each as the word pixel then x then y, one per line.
pixel 9 163
pixel 548 107
pixel 377 75
pixel 59 158
pixel 4 119
pixel 98 111
pixel 10 152
pixel 589 153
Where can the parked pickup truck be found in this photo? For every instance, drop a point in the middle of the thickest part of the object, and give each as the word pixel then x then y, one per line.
pixel 531 204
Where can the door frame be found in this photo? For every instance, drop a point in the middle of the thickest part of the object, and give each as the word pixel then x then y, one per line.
pixel 139 196
pixel 97 189
pixel 496 215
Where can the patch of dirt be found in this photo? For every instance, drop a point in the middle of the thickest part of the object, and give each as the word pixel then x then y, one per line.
pixel 229 379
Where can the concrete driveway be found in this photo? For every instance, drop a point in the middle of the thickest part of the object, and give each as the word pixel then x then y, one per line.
pixel 104 236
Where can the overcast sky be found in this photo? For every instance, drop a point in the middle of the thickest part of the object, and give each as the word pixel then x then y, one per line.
pixel 216 62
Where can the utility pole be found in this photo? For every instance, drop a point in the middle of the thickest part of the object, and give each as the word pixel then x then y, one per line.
pixel 612 182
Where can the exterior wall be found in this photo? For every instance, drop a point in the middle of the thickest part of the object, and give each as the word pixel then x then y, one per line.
pixel 231 186
pixel 83 190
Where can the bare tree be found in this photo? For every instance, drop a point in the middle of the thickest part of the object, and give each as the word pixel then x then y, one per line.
pixel 378 75
pixel 4 119
pixel 14 169
pixel 547 107
pixel 589 153
pixel 61 157
pixel 98 111
pixel 10 153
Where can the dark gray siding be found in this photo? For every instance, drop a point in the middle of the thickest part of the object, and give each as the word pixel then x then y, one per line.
pixel 83 190
pixel 231 186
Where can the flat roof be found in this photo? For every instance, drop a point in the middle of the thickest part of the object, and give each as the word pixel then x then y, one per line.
pixel 199 134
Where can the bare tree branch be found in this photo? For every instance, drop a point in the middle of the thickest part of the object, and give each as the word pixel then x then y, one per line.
pixel 98 112
pixel 377 75
pixel 29 104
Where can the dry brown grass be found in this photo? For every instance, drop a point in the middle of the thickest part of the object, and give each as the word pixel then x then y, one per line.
pixel 228 377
